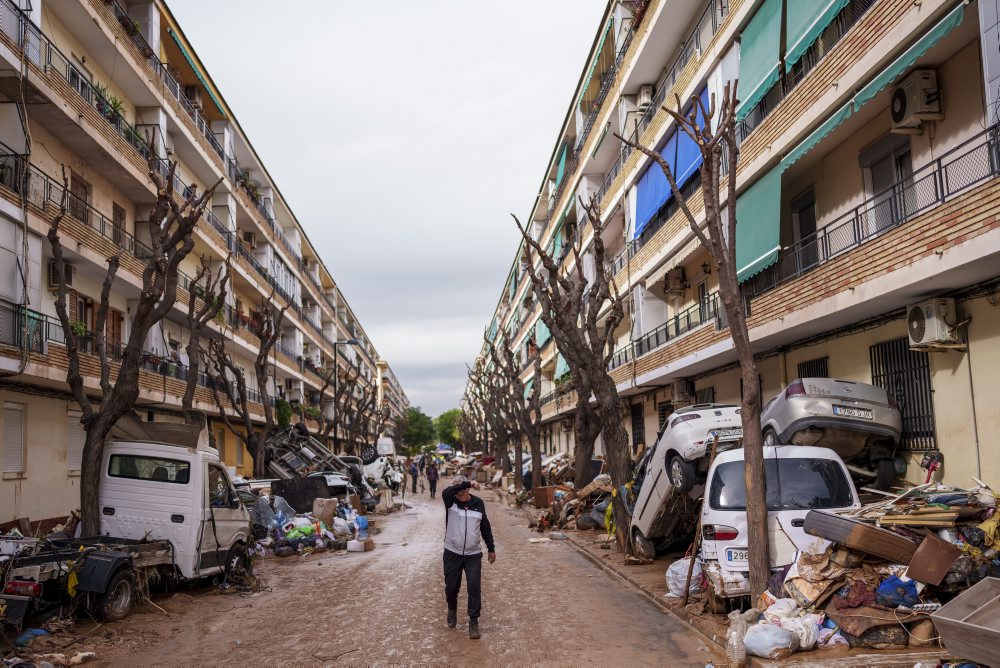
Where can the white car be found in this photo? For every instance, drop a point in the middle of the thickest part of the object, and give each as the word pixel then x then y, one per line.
pixel 668 475
pixel 799 479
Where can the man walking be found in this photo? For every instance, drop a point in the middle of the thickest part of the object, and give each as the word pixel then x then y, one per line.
pixel 413 475
pixel 465 525
pixel 432 476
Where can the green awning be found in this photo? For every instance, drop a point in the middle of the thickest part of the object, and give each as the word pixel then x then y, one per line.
pixel 493 330
pixel 528 386
pixel 561 169
pixel 598 52
pixel 197 71
pixel 542 333
pixel 561 367
pixel 758 225
pixel 817 135
pixel 806 20
pixel 908 57
pixel 760 42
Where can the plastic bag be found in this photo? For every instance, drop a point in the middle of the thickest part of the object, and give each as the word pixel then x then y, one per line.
pixel 362 524
pixel 770 642
pixel 677 576
pixel 281 506
pixel 893 593
pixel 782 609
pixel 805 628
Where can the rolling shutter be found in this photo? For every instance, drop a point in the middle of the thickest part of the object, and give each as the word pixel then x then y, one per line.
pixel 13 438
pixel 75 438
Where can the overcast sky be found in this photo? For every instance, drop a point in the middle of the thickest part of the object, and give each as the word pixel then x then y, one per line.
pixel 402 133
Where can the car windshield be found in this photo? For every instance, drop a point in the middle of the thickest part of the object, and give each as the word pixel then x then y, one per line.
pixel 792 484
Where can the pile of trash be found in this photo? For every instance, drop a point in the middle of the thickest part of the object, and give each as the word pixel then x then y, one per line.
pixel 882 579
pixel 333 524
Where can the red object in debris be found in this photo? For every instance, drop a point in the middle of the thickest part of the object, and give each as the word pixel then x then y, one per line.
pixel 23 588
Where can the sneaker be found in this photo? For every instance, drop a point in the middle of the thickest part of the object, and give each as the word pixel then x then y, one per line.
pixel 452 617
pixel 474 629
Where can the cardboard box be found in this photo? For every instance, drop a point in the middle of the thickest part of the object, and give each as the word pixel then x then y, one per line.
pixel 369 544
pixel 544 496
pixel 355 502
pixel 481 476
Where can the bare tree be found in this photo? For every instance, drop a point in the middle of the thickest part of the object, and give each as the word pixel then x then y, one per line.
pixel 230 380
pixel 201 311
pixel 719 239
pixel 171 225
pixel 364 415
pixel 333 427
pixel 524 407
pixel 492 394
pixel 582 316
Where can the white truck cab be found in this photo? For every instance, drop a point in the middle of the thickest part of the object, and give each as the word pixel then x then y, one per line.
pixel 173 486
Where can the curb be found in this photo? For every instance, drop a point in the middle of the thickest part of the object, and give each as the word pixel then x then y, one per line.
pixel 648 593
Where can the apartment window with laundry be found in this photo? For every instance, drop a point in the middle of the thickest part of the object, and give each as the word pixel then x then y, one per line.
pixel 13 461
pixel 887 166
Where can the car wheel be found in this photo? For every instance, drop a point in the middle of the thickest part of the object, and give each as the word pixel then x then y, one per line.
pixel 715 604
pixel 885 475
pixel 681 473
pixel 368 454
pixel 644 547
pixel 117 600
pixel 770 437
pixel 238 563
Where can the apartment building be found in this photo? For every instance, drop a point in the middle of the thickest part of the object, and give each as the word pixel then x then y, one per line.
pixel 867 185
pixel 90 89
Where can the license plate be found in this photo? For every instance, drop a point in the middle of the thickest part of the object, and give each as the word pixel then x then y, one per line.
pixel 726 433
pixel 847 411
pixel 737 554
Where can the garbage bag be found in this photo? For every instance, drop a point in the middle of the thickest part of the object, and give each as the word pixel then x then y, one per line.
pixel 262 514
pixel 782 609
pixel 341 528
pixel 805 628
pixel 677 576
pixel 362 525
pixel 770 642
pixel 893 593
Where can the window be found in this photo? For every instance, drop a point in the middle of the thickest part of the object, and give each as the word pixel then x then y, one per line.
pixel 13 438
pixel 117 224
pixel 792 484
pixel 136 467
pixel 817 368
pixel 804 227
pixel 638 425
pixel 219 493
pixel 75 439
pixel 79 199
pixel 663 411
pixel 703 309
pixel 888 174
pixel 705 395
pixel 905 375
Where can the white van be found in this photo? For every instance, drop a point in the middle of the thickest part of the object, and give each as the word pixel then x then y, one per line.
pixel 799 479
pixel 179 491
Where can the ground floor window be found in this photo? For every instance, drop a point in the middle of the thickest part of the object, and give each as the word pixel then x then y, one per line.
pixel 705 395
pixel 906 375
pixel 638 426
pixel 817 368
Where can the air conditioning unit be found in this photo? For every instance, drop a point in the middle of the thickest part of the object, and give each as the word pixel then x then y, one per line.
pixel 681 391
pixel 193 94
pixel 645 98
pixel 566 424
pixel 54 281
pixel 675 282
pixel 915 100
pixel 931 322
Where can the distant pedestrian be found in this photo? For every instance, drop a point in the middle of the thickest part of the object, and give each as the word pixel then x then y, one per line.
pixel 432 476
pixel 423 463
pixel 465 525
pixel 413 475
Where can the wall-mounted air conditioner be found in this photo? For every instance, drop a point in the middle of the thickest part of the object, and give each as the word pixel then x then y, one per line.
pixel 675 282
pixel 915 100
pixel 645 98
pixel 932 322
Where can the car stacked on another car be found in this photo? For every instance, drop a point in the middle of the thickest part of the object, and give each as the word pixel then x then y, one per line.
pixel 860 422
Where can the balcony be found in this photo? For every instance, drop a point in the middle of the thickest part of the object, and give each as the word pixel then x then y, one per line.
pixel 681 323
pixel 974 161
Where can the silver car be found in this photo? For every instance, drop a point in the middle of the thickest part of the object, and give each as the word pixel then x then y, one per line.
pixel 858 421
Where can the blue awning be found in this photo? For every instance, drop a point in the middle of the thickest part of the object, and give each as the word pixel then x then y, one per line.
pixel 653 189
pixel 688 154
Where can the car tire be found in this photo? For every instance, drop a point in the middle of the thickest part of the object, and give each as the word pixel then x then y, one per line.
pixel 368 454
pixel 118 597
pixel 770 437
pixel 715 604
pixel 885 474
pixel 238 562
pixel 644 547
pixel 682 473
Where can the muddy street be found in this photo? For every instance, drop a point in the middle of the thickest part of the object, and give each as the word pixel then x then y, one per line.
pixel 542 603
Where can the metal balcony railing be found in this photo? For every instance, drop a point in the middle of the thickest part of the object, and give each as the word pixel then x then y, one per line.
pixel 705 311
pixel 973 161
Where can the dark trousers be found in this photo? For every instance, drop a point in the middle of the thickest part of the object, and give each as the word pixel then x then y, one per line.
pixel 433 485
pixel 414 484
pixel 454 564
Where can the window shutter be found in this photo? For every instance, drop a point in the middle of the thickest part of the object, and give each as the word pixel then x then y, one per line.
pixel 74 311
pixel 13 438
pixel 75 438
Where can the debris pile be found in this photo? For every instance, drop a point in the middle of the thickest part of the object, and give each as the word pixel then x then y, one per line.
pixel 333 524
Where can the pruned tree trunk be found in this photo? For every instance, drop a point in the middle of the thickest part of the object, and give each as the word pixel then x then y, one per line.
pixel 213 288
pixel 719 239
pixel 171 226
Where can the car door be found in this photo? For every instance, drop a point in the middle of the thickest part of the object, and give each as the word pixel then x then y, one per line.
pixel 224 517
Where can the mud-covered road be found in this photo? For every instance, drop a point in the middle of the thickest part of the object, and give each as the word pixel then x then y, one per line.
pixel 542 604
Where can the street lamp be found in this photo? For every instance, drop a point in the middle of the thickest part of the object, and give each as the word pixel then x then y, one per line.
pixel 336 379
